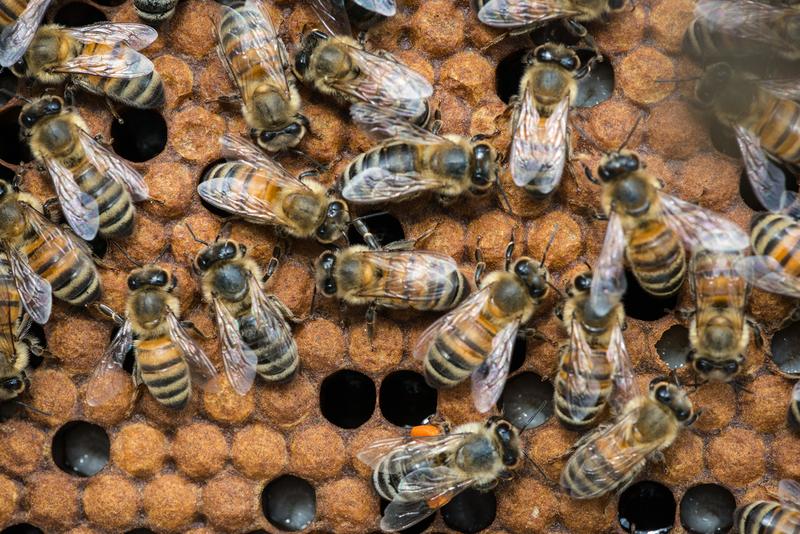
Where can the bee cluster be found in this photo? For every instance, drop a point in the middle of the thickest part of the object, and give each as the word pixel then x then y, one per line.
pixel 547 273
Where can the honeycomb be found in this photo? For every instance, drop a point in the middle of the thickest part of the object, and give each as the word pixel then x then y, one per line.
pixel 227 462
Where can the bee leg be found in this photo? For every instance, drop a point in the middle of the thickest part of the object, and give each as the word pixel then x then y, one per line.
pixel 52 210
pixel 368 236
pixel 274 261
pixel 436 125
pixel 191 326
pixel 535 334
pixel 108 312
pixel 757 332
pixel 494 41
pixel 370 318
pixel 286 312
pixel 684 314
pixel 113 111
pixel 509 252
pixel 409 244
pixel 480 265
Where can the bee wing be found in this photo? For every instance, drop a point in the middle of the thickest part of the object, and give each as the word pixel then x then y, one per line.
pixel 114 166
pixel 405 449
pixel 238 359
pixel 333 16
pixel 580 392
pixel 34 291
pixel 702 228
pixel 400 515
pixel 608 278
pixel 376 184
pixel 746 19
pixel 203 371
pixel 387 8
pixel 515 13
pixel 625 387
pixel 466 312
pixel 538 151
pixel 17 36
pixel 134 35
pixel 80 210
pixel 789 493
pixel 767 180
pixel 490 377
pixel 720 270
pixel 112 359
pixel 788 88
pixel 766 273
pixel 122 63
pixel 218 191
pixel 383 124
pixel 234 147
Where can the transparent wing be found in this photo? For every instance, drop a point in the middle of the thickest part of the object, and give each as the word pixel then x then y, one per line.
pixel 203 371
pixel 111 361
pixel 375 184
pixel 788 88
pixel 34 290
pixel 407 450
pixel 724 283
pixel 515 13
pixel 238 359
pixel 766 180
pixel 221 193
pixel 122 63
pixel 766 273
pixel 400 515
pixel 333 16
pixel 387 8
pixel 580 391
pixel 789 493
pixel 608 278
pixel 114 166
pixel 538 150
pixel 467 312
pixel 234 147
pixel 490 377
pixel 625 387
pixel 136 36
pixel 702 228
pixel 383 125
pixel 426 275
pixel 746 19
pixel 79 209
pixel 17 36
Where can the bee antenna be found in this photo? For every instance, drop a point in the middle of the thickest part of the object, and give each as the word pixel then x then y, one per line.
pixel 675 379
pixel 630 133
pixel 124 253
pixel 161 254
pixel 502 193
pixel 12 94
pixel 550 242
pixel 191 232
pixel 557 289
pixel 31 408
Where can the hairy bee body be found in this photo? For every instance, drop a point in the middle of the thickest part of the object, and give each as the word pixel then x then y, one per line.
pixel 778 236
pixel 577 10
pixel 767 517
pixel 14 344
pixel 549 83
pixel 704 44
pixel 10 10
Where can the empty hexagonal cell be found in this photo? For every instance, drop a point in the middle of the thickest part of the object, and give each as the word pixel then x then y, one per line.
pixel 784 348
pixel 141 135
pixel 518 354
pixel 405 399
pixel 673 347
pixel 81 448
pixel 347 398
pixel 289 503
pixel 22 528
pixel 76 14
pixel 527 400
pixel 470 511
pixel 12 149
pixel 639 304
pixel 383 225
pixel 646 507
pixel 707 509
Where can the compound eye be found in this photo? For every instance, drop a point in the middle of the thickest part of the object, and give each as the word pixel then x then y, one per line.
pixel 266 137
pixel 54 106
pixel 334 209
pixel 731 368
pixel 133 283
pixel 522 269
pixel 329 287
pixel 583 282
pixel 228 251
pixel 202 262
pixel 544 54
pixel 616 4
pixel 682 414
pixel 242 249
pixel 293 129
pixel 703 365
pixel 160 279
pixel 663 395
pixel 569 62
pixel 12 384
pixel 28 120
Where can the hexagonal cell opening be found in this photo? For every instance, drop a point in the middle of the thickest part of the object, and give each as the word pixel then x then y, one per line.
pixel 80 448
pixel 405 399
pixel 518 354
pixel 22 528
pixel 8 86
pixel 646 507
pixel 527 400
pixel 419 528
pixel 470 511
pixel 784 348
pixel 12 149
pixel 639 304
pixel 289 503
pixel 141 136
pixel 347 398
pixel 674 347
pixel 384 226
pixel 76 14
pixel 707 509
pixel 6 174
pixel 203 177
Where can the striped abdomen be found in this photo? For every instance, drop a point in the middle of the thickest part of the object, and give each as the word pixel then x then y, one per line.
pixel 242 179
pixel 656 256
pixel 580 412
pixel 140 92
pixel 277 354
pixel 426 282
pixel 778 127
pixel 70 271
pixel 386 480
pixel 10 10
pixel 777 236
pixel 397 158
pixel 767 517
pixel 715 281
pixel 10 307
pixel 591 472
pixel 163 370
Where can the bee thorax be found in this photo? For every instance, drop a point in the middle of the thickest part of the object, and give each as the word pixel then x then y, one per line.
pixel 230 282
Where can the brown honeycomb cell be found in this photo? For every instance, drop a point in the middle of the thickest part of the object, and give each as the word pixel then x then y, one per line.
pixel 638 73
pixel 765 412
pixel 381 354
pixel 467 75
pixel 548 448
pixel 23 447
pixel 316 452
pixel 782 448
pixel 438 26
pixel 199 450
pixel 287 405
pixel 139 449
pixel 673 130
pixel 229 502
pixel 52 500
pixel 170 502
pixel 9 497
pixel 737 457
pixel 322 344
pixel 594 515
pixel 52 393
pixel 171 187
pixel 724 176
pixel 719 407
pixel 77 342
pixel 178 79
pixel 526 506
pixel 111 501
pixel 259 452
pixel 225 405
pixel 683 460
pixel 348 505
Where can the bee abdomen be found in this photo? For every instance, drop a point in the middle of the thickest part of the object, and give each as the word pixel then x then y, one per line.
pixel 113 202
pixel 589 474
pixel 397 158
pixel 456 353
pixel 765 517
pixel 777 236
pixel 779 130
pixel 579 412
pixel 277 354
pixel 164 371
pixel 657 259
pixel 145 92
pixel 387 480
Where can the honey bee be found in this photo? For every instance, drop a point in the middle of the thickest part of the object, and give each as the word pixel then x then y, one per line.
pixel 393 277
pixel 256 60
pixel 423 472
pixel 540 141
pixel 477 339
pixel 19 20
pixel 167 359
pixel 366 13
pixel 101 58
pixel 415 160
pixel 155 11
pixel 770 517
pixel 765 119
pixel 337 65
pixel 594 368
pixel 251 323
pixel 256 188
pixel 612 455
pixel 44 259
pixel 651 228
pixel 95 188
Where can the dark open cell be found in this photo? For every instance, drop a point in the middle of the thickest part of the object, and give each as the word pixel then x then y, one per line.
pixel 8 86
pixel 36 331
pixel 140 531
pixel 203 176
pixel 746 188
pixel 13 150
pixel 22 528
pixel 639 304
pixel 674 346
pixel 289 503
pixel 6 173
pixel 76 14
pixel 109 3
pixel 707 509
pixel 518 353
pixel 646 507
pixel 98 246
pixel 509 73
pixel 527 400
pixel 405 399
pixel 470 511
pixel 598 84
pixel 784 348
pixel 141 136
pixel 360 18
pixel 419 528
pixel 347 398
pixel 384 226
pixel 80 448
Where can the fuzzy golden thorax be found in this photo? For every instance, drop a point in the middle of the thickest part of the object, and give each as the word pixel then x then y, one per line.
pixel 149 301
pixel 50 47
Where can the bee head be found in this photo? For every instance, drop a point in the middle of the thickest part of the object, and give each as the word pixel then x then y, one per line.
pixel 217 252
pixel 715 78
pixel 616 5
pixel 485 172
pixel 508 442
pixel 333 226
pixel 674 398
pixel 303 58
pixel 558 54
pixel 276 140
pixel 325 265
pixel 534 275
pixel 151 277
pixel 37 109
pixel 617 165
pixel 13 386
